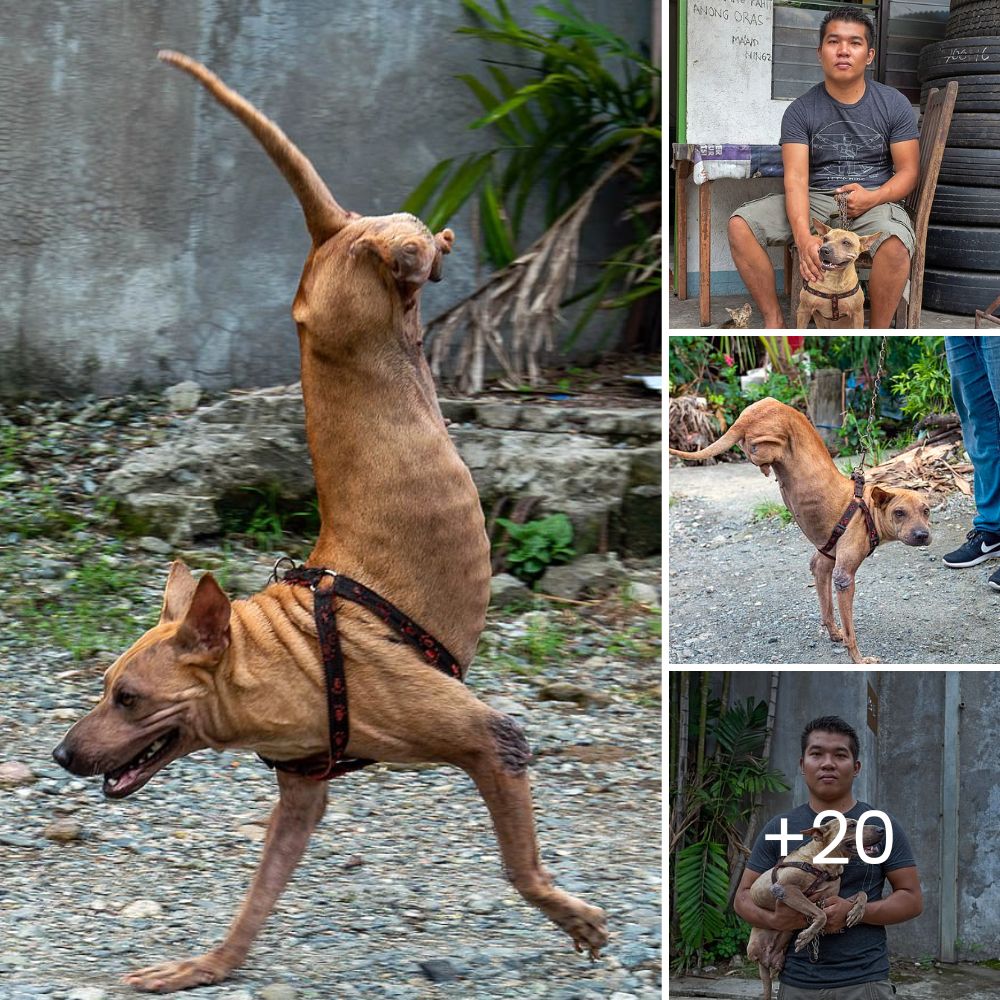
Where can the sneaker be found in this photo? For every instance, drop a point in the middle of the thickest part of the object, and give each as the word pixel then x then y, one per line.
pixel 994 580
pixel 979 546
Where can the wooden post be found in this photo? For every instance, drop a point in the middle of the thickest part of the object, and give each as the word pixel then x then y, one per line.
pixel 681 212
pixel 826 405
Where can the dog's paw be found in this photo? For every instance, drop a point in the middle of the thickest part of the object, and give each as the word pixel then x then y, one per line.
pixel 167 977
pixel 586 925
pixel 869 659
pixel 857 911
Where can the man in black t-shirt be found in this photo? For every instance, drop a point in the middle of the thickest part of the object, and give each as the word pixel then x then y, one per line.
pixel 850 136
pixel 853 962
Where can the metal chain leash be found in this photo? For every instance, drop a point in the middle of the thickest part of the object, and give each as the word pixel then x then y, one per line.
pixel 842 209
pixel 871 409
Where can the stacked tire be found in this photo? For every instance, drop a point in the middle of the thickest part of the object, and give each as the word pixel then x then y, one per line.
pixel 962 268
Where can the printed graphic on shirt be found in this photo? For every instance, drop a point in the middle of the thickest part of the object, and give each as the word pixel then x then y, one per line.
pixel 847 152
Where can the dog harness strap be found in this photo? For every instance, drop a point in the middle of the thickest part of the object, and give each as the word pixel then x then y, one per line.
pixel 820 875
pixel 858 503
pixel 326 587
pixel 835 297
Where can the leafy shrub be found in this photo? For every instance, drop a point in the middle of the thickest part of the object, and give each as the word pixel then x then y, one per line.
pixel 535 545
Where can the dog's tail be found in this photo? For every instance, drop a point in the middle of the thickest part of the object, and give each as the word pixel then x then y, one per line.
pixel 733 436
pixel 324 216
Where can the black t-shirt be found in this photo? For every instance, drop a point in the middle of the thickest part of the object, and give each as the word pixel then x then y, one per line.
pixel 861 953
pixel 849 143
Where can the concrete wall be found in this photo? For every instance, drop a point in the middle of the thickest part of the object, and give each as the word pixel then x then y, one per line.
pixel 902 772
pixel 146 237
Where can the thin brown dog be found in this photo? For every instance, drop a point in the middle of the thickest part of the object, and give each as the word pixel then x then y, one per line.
pixel 836 301
pixel 773 435
pixel 400 513
pixel 803 891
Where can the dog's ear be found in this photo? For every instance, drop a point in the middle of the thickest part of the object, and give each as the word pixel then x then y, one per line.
pixel 204 632
pixel 444 241
pixel 821 228
pixel 867 241
pixel 178 592
pixel 881 497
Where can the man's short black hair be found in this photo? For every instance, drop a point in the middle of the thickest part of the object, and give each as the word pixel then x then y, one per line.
pixel 832 724
pixel 855 14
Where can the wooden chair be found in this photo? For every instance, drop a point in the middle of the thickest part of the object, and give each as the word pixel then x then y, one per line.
pixel 934 126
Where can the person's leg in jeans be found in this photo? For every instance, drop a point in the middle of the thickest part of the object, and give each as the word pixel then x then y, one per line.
pixel 974 363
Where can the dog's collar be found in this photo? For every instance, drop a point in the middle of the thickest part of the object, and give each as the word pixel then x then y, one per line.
pixel 858 503
pixel 326 586
pixel 835 297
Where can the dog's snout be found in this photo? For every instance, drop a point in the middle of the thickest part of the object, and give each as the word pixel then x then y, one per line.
pixel 63 756
pixel 921 537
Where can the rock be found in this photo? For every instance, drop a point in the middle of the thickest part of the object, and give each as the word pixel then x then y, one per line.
pixel 585 463
pixel 593 575
pixel 155 545
pixel 63 831
pixel 14 773
pixel 507 591
pixel 643 593
pixel 279 991
pixel 507 705
pixel 439 970
pixel 142 909
pixel 86 993
pixel 18 840
pixel 564 691
pixel 183 397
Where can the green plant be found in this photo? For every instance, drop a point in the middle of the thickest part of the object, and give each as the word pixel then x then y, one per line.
pixel 926 384
pixel 537 544
pixel 581 107
pixel 855 437
pixel 265 518
pixel 771 509
pixel 711 812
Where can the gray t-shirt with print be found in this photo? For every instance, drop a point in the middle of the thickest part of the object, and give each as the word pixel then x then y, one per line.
pixel 849 143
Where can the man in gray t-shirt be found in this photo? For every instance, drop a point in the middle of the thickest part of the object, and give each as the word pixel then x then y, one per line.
pixel 850 136
pixel 853 963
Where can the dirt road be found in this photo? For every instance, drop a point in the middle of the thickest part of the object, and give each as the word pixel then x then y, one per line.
pixel 740 590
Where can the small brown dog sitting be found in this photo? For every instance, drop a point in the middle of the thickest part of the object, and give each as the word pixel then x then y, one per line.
pixel 803 883
pixel 836 301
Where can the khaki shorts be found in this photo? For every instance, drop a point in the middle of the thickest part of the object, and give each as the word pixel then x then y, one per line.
pixel 768 222
pixel 864 991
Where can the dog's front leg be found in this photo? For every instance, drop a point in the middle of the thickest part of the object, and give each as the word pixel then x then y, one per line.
pixel 292 822
pixel 822 571
pixel 843 582
pixel 500 774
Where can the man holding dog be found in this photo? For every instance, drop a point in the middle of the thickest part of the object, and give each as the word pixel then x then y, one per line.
pixel 853 962
pixel 850 136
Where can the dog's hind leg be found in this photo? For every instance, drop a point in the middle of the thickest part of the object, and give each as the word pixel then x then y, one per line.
pixel 500 771
pixel 293 820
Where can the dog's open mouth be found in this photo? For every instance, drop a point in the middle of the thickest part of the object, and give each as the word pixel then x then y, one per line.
pixel 833 267
pixel 129 777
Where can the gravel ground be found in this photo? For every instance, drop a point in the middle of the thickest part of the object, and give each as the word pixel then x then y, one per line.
pixel 740 590
pixel 404 869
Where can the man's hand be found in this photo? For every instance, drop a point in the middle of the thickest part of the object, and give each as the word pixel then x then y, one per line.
pixel 809 266
pixel 836 908
pixel 859 200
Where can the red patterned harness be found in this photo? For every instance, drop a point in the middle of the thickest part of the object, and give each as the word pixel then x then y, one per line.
pixel 858 503
pixel 332 764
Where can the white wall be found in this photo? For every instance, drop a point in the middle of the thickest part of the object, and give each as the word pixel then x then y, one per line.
pixel 729 100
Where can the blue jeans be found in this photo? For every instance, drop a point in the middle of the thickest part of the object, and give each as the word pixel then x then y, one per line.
pixel 974 363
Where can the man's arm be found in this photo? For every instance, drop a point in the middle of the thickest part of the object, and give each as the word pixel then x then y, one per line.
pixel 904 903
pixel 905 163
pixel 795 158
